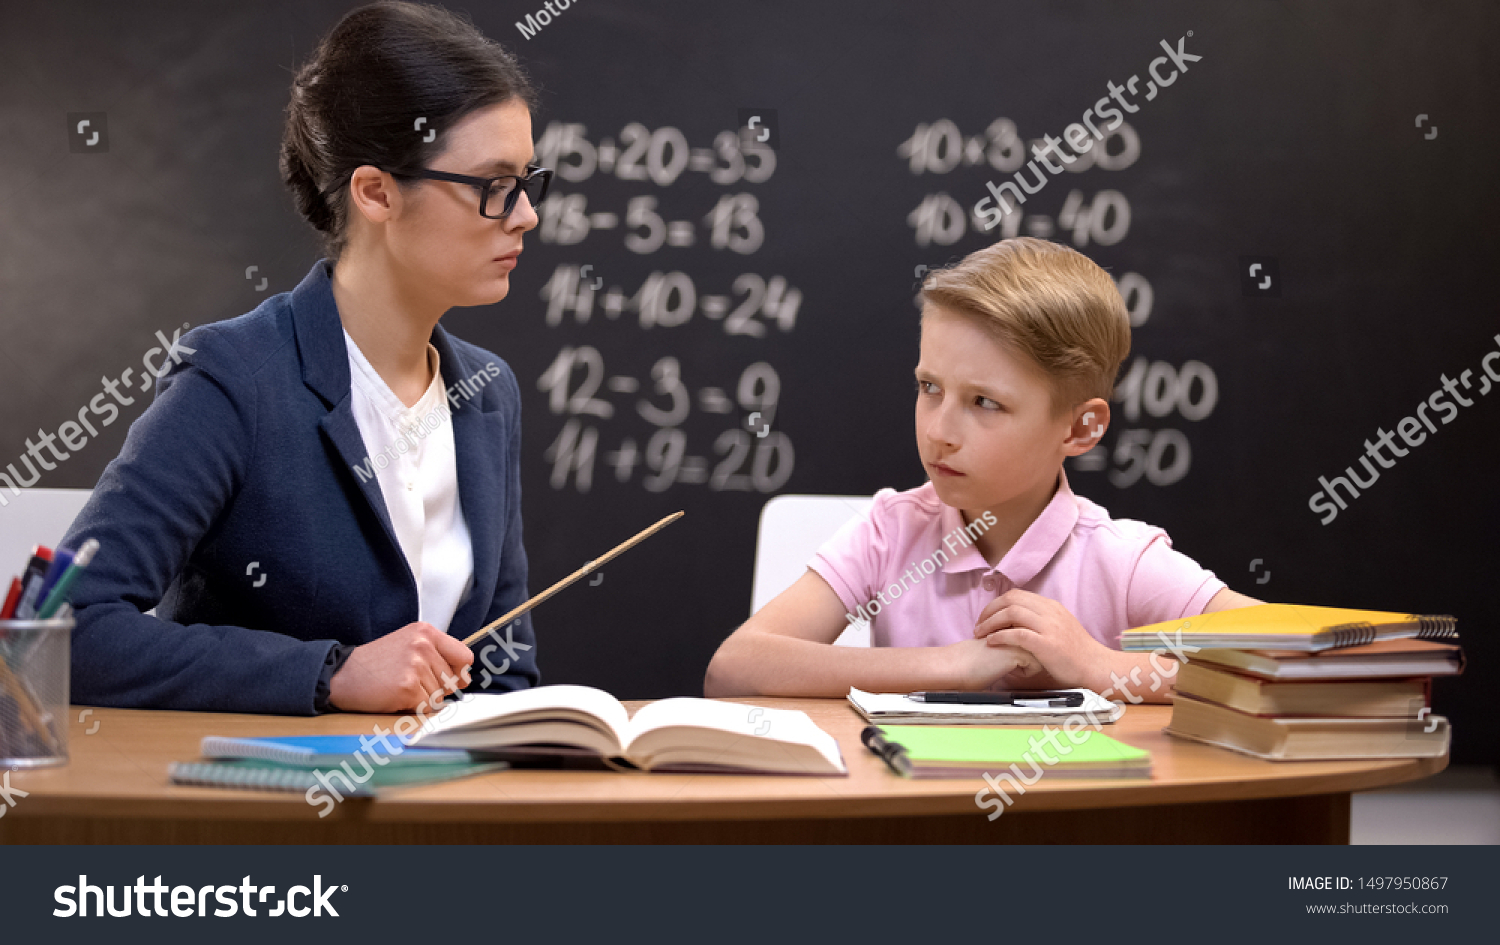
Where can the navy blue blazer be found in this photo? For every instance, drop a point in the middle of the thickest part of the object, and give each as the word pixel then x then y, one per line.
pixel 235 509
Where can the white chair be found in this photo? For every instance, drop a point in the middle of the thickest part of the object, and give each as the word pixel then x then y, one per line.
pixel 35 517
pixel 792 528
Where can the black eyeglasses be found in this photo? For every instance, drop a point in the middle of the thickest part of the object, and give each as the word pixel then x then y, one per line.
pixel 506 189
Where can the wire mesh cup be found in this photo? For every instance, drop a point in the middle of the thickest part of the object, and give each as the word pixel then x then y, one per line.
pixel 34 669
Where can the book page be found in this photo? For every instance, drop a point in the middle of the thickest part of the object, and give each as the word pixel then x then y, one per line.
pixel 789 726
pixel 581 703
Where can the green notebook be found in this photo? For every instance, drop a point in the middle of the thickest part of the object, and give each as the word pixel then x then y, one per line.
pixel 951 751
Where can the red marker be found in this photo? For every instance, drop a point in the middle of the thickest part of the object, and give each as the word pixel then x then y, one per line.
pixel 31 581
pixel 11 600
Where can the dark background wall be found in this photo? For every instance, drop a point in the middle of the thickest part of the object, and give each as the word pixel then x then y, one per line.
pixel 1295 137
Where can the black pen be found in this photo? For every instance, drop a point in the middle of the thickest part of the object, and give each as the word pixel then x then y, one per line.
pixel 889 752
pixel 1050 699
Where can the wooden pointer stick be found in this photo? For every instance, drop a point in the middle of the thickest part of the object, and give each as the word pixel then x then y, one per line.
pixel 592 565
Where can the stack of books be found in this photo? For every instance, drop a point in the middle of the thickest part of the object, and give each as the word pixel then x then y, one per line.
pixel 1296 682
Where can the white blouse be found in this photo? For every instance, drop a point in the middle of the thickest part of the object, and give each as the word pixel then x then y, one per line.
pixel 411 449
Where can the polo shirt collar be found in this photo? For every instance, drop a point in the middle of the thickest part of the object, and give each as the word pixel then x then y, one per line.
pixel 1037 546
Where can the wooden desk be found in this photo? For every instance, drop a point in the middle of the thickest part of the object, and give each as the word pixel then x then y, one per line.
pixel 115 790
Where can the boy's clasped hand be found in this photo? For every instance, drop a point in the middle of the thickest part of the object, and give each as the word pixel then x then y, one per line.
pixel 1048 633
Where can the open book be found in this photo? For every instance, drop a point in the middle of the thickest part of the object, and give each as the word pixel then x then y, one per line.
pixel 681 734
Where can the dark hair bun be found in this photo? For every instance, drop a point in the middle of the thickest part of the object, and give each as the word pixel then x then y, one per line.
pixel 356 101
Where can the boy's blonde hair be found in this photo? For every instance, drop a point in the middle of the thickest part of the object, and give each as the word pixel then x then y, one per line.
pixel 1048 302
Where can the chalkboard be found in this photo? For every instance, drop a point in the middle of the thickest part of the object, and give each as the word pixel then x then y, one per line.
pixel 720 302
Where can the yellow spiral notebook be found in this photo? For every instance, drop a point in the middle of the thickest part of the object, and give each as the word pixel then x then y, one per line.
pixel 1289 627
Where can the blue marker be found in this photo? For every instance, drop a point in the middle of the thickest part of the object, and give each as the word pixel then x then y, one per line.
pixel 62 559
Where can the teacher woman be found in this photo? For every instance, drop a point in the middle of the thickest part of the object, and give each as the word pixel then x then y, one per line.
pixel 324 497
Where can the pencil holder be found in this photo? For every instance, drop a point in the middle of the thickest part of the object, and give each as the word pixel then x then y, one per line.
pixel 34 668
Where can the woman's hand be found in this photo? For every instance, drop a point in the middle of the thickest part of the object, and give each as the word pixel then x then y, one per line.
pixel 418 664
pixel 977 665
pixel 1050 632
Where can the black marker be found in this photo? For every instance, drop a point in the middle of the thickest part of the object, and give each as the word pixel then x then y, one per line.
pixel 1041 699
pixel 889 752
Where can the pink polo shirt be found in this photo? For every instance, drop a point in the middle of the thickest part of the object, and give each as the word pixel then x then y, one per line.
pixel 911 567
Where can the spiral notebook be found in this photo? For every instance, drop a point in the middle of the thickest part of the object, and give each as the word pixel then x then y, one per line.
pixel 293 763
pixel 1301 627
pixel 268 776
pixel 312 751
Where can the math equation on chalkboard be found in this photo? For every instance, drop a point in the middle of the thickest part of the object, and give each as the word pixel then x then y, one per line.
pixel 580 386
pixel 599 404
pixel 658 158
pixel 1086 217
